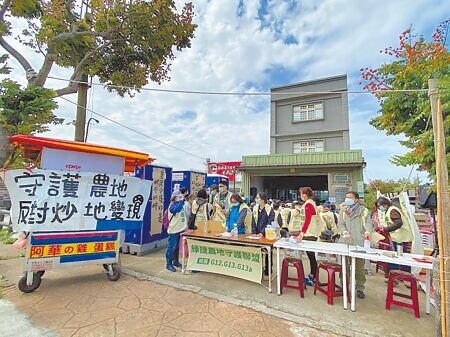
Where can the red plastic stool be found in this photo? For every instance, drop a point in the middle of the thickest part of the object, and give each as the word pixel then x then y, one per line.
pixel 400 275
pixel 298 264
pixel 330 288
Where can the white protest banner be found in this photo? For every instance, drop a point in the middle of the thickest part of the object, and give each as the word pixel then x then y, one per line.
pixel 236 261
pixel 47 200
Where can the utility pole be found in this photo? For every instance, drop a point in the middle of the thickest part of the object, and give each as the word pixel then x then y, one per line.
pixel 80 122
pixel 443 205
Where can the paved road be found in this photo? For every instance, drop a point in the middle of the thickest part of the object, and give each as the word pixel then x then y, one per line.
pixel 82 302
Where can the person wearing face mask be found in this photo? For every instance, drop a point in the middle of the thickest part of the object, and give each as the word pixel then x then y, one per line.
pixel 177 224
pixel 398 228
pixel 201 208
pixel 223 198
pixel 309 230
pixel 354 226
pixel 240 214
pixel 263 215
pixel 213 191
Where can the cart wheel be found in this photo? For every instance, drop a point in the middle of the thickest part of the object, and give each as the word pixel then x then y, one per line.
pixel 41 273
pixel 116 272
pixel 105 266
pixel 29 288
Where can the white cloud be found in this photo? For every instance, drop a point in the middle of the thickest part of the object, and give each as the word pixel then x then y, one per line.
pixel 234 53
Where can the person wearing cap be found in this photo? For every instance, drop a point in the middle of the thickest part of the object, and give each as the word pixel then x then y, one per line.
pixel 177 224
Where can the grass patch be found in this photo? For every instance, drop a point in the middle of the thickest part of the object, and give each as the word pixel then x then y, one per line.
pixel 6 236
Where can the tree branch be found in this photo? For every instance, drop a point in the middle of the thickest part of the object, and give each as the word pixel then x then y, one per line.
pixel 4 8
pixel 41 78
pixel 69 35
pixel 14 53
pixel 72 88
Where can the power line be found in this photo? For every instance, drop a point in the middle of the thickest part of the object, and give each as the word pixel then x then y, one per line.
pixel 244 93
pixel 136 131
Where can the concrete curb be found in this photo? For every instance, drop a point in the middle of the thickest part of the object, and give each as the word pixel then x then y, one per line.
pixel 324 326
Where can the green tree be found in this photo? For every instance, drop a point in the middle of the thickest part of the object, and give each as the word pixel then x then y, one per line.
pixel 125 43
pixel 25 111
pixel 387 186
pixel 408 113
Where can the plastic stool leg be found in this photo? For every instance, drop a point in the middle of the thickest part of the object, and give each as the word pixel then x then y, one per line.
pixel 389 295
pixel 415 299
pixel 316 285
pixel 331 287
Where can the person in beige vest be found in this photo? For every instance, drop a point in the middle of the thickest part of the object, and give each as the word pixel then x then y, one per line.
pixel 329 220
pixel 285 211
pixel 222 203
pixel 398 228
pixel 276 206
pixel 177 224
pixel 309 229
pixel 201 209
pixel 294 219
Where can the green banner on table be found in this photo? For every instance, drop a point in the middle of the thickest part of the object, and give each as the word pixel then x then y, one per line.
pixel 236 261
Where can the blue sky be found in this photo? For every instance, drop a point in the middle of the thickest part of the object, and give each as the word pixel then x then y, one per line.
pixel 253 46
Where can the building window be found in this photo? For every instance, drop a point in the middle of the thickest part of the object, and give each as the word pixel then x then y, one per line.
pixel 307 112
pixel 340 193
pixel 309 146
pixel 342 178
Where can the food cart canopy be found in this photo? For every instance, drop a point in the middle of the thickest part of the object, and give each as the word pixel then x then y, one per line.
pixel 33 145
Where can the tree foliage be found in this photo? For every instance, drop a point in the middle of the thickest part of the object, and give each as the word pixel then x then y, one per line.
pixel 387 186
pixel 408 113
pixel 125 43
pixel 26 110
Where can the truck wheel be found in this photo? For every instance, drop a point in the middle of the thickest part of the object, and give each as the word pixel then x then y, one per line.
pixel 32 287
pixel 116 272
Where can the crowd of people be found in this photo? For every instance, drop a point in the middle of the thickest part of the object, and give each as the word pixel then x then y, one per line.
pixel 304 219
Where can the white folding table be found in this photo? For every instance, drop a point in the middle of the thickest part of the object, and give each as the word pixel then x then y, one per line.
pixel 405 260
pixel 317 247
